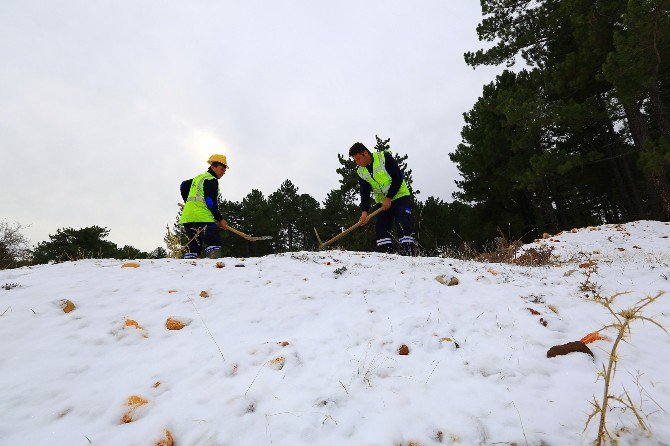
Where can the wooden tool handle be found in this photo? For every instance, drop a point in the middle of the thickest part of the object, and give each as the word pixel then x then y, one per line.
pixel 238 232
pixel 348 230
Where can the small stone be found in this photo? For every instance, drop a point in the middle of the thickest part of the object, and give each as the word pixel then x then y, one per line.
pixel 204 294
pixel 156 384
pixel 453 281
pixel 240 265
pixel 283 343
pixel 220 264
pixel 403 350
pixel 533 312
pixel 67 305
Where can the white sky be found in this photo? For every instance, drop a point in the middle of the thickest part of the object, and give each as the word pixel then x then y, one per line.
pixel 106 106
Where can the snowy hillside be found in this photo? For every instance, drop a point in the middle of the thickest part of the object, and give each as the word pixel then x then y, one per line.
pixel 304 348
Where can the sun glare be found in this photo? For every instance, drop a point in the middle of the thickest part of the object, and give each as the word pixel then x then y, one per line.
pixel 203 144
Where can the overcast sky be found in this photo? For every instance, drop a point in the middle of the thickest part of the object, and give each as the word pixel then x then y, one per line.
pixel 106 106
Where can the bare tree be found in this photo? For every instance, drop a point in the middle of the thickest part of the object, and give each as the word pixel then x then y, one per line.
pixel 14 246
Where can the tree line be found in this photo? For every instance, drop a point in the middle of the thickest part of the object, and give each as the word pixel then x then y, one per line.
pixel 66 244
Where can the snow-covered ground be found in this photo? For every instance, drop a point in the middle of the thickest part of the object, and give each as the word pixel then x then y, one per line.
pixel 303 348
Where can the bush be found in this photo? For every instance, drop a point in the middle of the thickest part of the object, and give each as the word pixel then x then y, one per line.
pixel 14 247
pixel 86 243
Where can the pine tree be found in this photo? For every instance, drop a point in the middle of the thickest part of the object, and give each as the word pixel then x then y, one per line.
pixel 285 207
pixel 256 218
pixel 86 243
pixel 590 58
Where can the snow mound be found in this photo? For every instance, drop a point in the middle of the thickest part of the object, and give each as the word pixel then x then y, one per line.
pixel 304 348
pixel 635 241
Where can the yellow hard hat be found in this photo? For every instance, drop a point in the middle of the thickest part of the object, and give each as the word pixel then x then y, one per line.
pixel 219 159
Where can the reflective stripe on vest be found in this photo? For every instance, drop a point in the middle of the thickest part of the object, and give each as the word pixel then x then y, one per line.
pixel 199 189
pixel 380 180
pixel 195 209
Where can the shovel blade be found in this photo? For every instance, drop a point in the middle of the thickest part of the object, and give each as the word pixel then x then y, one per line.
pixel 262 237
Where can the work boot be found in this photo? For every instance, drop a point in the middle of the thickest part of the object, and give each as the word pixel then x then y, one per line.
pixel 214 253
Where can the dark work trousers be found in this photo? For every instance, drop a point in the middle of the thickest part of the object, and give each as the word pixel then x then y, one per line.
pixel 402 214
pixel 209 234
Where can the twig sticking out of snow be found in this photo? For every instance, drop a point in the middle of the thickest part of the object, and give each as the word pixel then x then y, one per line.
pixel 207 328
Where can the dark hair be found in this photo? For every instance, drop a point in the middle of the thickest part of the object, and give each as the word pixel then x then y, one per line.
pixel 357 148
pixel 217 164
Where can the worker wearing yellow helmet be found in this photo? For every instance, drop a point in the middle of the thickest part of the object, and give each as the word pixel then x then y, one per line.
pixel 200 216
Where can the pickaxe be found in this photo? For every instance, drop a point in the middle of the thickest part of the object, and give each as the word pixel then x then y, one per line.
pixel 343 233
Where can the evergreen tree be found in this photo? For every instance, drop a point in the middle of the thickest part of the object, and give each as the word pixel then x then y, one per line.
pixel 86 243
pixel 598 61
pixel 158 253
pixel 340 210
pixel 309 217
pixel 130 252
pixel 231 244
pixel 284 205
pixel 256 218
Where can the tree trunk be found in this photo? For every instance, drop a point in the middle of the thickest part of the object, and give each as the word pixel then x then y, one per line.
pixel 560 205
pixel 530 224
pixel 547 208
pixel 657 184
pixel 658 110
pixel 638 128
pixel 632 207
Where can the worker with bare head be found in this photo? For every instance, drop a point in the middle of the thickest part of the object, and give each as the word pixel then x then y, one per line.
pixel 201 216
pixel 380 175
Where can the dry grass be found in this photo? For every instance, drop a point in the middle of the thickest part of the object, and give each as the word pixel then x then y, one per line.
pixel 507 251
pixel 621 326
pixel 174 246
